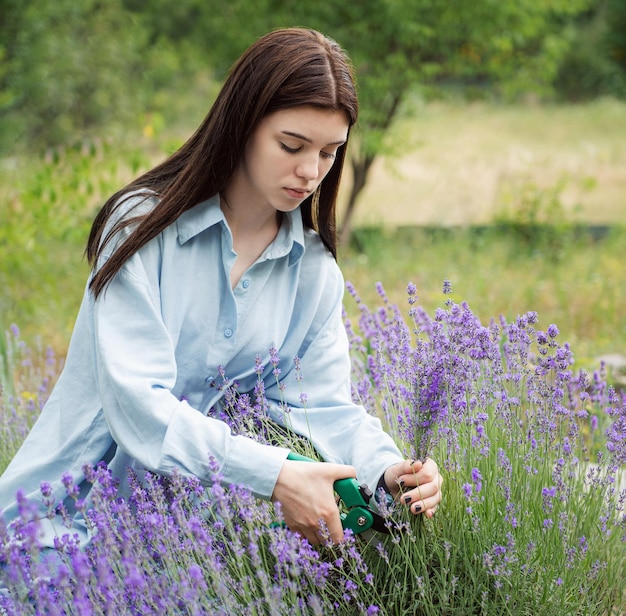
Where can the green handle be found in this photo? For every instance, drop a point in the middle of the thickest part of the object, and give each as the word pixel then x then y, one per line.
pixel 298 457
pixel 358 518
pixel 348 488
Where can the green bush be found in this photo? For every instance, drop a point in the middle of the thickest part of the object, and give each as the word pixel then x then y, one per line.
pixel 595 64
pixel 616 34
pixel 71 67
pixel 49 202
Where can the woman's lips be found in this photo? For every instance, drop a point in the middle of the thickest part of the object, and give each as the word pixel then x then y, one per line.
pixel 295 193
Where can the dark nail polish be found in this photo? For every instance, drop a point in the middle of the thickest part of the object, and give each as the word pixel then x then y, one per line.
pixel 417 508
pixel 407 499
pixel 401 484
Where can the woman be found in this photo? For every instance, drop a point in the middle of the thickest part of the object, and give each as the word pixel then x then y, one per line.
pixel 221 253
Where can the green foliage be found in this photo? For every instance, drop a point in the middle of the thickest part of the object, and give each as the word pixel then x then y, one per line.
pixel 535 217
pixel 64 68
pixel 48 205
pixel 615 15
pixel 68 67
pixel 595 63
pixel 513 47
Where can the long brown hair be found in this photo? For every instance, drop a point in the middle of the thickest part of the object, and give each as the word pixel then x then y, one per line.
pixel 283 69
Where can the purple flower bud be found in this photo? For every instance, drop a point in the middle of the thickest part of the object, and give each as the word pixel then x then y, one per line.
pixel 553 331
pixel 46 489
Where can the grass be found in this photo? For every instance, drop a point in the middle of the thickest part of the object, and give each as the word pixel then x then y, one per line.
pixel 581 290
pixel 454 163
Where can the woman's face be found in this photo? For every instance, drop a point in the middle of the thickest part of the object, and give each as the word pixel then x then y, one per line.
pixel 287 157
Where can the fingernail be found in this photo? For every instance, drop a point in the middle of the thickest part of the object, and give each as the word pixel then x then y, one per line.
pixel 401 484
pixel 407 498
pixel 417 508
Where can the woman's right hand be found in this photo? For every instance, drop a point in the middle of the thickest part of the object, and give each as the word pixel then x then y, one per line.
pixel 305 492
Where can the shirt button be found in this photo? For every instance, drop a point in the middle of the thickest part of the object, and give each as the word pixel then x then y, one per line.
pixel 228 332
pixel 245 284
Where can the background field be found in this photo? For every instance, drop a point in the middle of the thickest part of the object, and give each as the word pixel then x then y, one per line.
pixel 460 164
pixel 433 209
pixel 495 198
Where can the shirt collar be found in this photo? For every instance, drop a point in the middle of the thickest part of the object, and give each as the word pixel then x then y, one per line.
pixel 290 238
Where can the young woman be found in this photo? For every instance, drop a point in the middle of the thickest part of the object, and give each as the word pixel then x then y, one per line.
pixel 221 253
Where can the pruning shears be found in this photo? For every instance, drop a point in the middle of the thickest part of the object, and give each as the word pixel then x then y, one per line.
pixel 358 515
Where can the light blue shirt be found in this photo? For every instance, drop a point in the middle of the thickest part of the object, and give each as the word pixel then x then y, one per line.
pixel 143 366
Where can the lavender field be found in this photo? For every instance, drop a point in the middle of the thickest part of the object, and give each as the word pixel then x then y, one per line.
pixel 532 521
pixel 488 166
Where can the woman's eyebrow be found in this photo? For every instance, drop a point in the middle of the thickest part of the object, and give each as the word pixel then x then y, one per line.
pixel 299 136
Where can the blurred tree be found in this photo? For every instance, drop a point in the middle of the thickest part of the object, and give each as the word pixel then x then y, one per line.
pixel 512 46
pixel 66 66
pixel 595 62
pixel 616 36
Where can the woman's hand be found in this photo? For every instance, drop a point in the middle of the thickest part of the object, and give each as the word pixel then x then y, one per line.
pixel 417 484
pixel 305 492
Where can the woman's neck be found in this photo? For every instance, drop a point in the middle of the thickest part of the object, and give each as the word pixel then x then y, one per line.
pixel 251 233
pixel 247 220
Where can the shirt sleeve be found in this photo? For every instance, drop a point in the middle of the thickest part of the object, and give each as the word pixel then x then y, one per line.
pixel 136 370
pixel 315 400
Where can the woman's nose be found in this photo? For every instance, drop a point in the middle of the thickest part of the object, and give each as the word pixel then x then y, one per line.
pixel 308 169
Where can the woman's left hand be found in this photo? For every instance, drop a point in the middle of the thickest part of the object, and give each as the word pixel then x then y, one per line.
pixel 417 484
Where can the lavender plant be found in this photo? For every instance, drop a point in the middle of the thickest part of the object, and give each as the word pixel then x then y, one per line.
pixel 532 520
pixel 26 379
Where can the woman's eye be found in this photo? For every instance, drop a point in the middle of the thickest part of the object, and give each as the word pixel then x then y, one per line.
pixel 323 154
pixel 288 149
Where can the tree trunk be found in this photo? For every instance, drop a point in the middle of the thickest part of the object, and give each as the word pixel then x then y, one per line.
pixel 361 164
pixel 360 170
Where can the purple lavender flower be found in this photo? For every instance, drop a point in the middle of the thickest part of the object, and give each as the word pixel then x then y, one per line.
pixel 275 361
pixel 499 399
pixel 477 479
pixel 553 331
pixel 45 489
